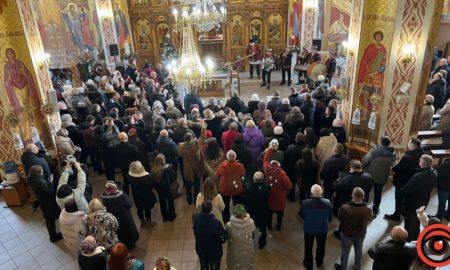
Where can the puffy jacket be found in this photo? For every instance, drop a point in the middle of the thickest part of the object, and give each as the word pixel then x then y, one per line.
pixel 393 255
pixel 324 149
pixel 230 175
pixel 29 159
pixel 73 228
pixel 426 118
pixel 240 247
pixel 344 187
pixel 331 169
pixel 236 104
pixel 64 145
pixel 278 180
pixel 228 138
pixel 281 112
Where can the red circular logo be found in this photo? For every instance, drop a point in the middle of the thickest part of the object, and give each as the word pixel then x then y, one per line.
pixel 433 245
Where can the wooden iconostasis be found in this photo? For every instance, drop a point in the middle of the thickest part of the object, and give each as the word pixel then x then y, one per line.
pixel 152 20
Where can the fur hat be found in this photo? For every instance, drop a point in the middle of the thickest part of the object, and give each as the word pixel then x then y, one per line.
pixel 170 103
pixel 278 130
pixel 338 123
pixel 66 118
pixel 429 99
pixel 62 105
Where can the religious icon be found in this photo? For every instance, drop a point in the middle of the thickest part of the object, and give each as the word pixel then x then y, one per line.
pixel 73 21
pixel 160 2
pixel 237 33
pixel 140 3
pixel 338 30
pixel 18 144
pixel 371 71
pixel 21 91
pixel 121 25
pixel 295 18
pixel 255 29
pixel 274 29
pixel 236 1
pixel 144 34
pixel 86 32
pixel 163 30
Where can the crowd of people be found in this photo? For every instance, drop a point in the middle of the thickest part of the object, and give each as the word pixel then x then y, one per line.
pixel 255 155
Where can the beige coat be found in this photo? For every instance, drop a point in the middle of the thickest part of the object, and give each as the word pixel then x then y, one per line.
pixel 324 149
pixel 64 145
pixel 240 247
pixel 426 119
pixel 192 161
pixel 217 202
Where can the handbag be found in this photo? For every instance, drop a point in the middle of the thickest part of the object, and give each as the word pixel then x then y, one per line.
pixel 174 186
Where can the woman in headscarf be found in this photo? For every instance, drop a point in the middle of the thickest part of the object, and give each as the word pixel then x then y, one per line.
pixel 91 255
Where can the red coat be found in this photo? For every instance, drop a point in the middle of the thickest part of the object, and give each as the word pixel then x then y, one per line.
pixel 230 175
pixel 228 138
pixel 279 181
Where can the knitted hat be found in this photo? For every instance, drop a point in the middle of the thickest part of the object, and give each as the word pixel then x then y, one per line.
pixel 278 130
pixel 429 99
pixel 170 103
pixel 239 209
pixel 62 105
pixel 338 123
pixel 88 245
pixel 66 118
pixel 110 187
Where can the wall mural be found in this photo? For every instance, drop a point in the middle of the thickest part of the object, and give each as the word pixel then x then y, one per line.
pixel 143 35
pixel 274 29
pixel 295 20
pixel 122 23
pixel 339 22
pixel 237 30
pixel 160 2
pixel 445 16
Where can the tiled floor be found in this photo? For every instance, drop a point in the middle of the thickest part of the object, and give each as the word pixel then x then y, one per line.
pixel 24 240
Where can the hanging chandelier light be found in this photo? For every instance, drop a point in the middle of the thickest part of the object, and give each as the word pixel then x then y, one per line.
pixel 189 69
pixel 205 15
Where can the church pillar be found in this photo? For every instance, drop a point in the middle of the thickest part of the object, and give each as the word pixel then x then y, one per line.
pixel 25 84
pixel 388 61
pixel 107 30
pixel 309 19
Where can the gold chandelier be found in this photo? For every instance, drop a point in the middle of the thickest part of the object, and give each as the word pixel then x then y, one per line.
pixel 205 14
pixel 189 69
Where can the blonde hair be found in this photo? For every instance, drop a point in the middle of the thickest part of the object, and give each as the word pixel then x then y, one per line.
pixel 250 124
pixel 136 167
pixel 95 204
pixel 158 167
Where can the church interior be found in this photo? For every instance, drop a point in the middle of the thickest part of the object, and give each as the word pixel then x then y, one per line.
pixel 380 65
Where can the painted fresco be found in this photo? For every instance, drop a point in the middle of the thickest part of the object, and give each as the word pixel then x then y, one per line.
pixel 19 91
pixel 139 3
pixel 295 20
pixel 122 23
pixel 162 30
pixel 375 44
pixel 274 29
pixel 144 35
pixel 338 28
pixel 256 29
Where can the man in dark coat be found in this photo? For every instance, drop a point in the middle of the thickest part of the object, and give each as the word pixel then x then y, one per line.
pixel 331 66
pixel 209 237
pixel 46 198
pixel 280 113
pixel 394 254
pixel 332 168
pixel 316 213
pixel 286 61
pixel 124 154
pixel 403 172
pixel 235 103
pixel 294 98
pixel 190 99
pixel 345 186
pixel 257 205
pixel 443 187
pixel 30 158
pixel 417 193
pixel 168 148
pixel 437 88
pixel 443 65
pixel 273 104
pixel 308 109
pixel 292 154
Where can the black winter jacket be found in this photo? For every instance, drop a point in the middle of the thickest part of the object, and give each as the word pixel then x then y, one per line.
pixel 417 191
pixel 406 167
pixel 393 255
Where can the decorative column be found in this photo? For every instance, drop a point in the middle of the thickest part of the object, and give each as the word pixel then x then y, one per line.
pixel 25 84
pixel 309 23
pixel 107 30
pixel 387 53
